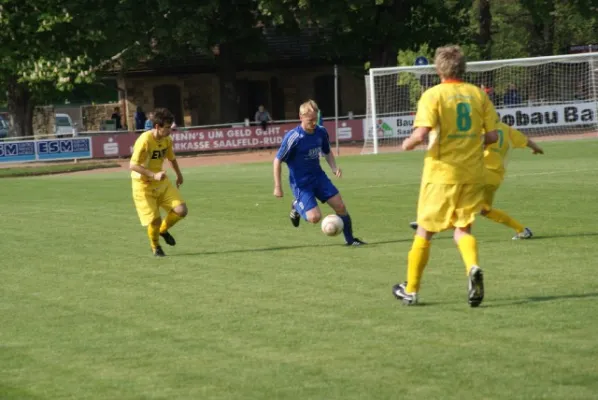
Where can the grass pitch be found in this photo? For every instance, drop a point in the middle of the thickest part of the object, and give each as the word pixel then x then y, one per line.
pixel 247 307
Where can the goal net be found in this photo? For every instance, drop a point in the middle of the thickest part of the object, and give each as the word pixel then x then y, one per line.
pixel 554 97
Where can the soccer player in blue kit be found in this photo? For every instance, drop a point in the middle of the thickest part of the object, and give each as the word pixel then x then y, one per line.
pixel 300 149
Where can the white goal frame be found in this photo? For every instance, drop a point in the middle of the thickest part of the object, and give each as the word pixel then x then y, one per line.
pixel 558 98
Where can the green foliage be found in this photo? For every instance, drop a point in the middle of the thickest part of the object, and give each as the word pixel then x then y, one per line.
pixel 375 31
pixel 61 41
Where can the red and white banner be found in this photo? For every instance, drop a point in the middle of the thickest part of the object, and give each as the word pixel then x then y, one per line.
pixel 215 139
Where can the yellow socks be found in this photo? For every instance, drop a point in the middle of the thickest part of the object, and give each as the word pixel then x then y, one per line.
pixel 503 218
pixel 168 222
pixel 469 251
pixel 153 232
pixel 416 262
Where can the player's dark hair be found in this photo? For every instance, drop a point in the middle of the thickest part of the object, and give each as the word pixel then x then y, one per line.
pixel 162 117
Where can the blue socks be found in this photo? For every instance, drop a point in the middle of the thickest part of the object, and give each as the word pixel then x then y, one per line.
pixel 348 228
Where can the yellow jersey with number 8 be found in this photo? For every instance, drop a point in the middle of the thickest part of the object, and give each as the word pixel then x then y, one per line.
pixel 458 113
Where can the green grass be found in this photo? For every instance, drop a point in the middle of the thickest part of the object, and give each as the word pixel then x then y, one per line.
pixel 247 307
pixel 51 169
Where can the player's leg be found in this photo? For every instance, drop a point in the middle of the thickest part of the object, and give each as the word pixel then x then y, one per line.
pixel 307 205
pixel 326 192
pixel 294 215
pixel 176 208
pixel 500 216
pixel 496 215
pixel 469 200
pixel 148 211
pixel 337 204
pixel 153 232
pixel 433 209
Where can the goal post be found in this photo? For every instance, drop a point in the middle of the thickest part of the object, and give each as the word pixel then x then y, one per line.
pixel 553 97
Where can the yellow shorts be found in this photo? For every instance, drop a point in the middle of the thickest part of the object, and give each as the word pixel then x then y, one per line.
pixel 493 181
pixel 150 197
pixel 489 192
pixel 445 206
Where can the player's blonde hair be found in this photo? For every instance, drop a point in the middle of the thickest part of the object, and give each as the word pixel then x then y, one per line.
pixel 309 105
pixel 450 62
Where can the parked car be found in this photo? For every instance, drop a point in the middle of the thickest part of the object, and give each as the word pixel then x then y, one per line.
pixel 64 126
pixel 3 127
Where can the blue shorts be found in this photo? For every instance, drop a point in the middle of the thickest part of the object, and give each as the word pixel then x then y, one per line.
pixel 322 189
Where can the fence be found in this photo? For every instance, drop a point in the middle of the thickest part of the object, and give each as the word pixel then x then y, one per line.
pixel 119 144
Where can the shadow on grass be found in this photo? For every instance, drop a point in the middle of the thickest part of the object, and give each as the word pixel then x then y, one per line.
pixel 280 248
pixel 564 235
pixel 538 299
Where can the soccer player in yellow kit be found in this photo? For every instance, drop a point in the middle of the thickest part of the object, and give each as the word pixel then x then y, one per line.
pixel 152 189
pixel 495 160
pixel 454 116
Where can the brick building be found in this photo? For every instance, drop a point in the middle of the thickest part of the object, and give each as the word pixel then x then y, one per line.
pixel 190 87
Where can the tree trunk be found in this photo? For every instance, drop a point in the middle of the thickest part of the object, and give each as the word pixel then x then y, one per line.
pixel 20 109
pixel 485 29
pixel 227 75
pixel 543 23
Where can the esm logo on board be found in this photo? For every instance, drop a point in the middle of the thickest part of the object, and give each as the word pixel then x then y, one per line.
pixel 556 115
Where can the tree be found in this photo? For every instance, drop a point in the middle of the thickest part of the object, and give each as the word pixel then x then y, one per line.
pixel 548 17
pixel 485 29
pixel 227 32
pixel 374 31
pixel 57 44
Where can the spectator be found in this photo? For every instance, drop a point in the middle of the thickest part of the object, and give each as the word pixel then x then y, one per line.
pixel 489 91
pixel 579 91
pixel 512 97
pixel 139 119
pixel 117 118
pixel 262 116
pixel 149 122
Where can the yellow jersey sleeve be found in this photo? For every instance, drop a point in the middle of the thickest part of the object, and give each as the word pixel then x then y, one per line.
pixel 427 111
pixel 518 139
pixel 140 151
pixel 170 150
pixel 490 114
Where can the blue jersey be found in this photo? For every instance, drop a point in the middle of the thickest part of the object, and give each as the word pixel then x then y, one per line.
pixel 301 151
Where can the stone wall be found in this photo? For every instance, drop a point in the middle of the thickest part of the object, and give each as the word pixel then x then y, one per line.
pixel 93 115
pixel 200 93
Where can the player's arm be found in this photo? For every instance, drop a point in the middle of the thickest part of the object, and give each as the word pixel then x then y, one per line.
pixel 331 160
pixel 327 151
pixel 425 120
pixel 490 137
pixel 289 141
pixel 520 141
pixel 177 170
pixel 490 115
pixel 277 170
pixel 174 164
pixel 138 158
pixel 535 148
pixel 417 137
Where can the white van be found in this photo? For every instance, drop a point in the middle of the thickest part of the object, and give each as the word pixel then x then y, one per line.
pixel 64 126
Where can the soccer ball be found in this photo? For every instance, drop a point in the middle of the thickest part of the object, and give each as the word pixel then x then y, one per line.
pixel 332 225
